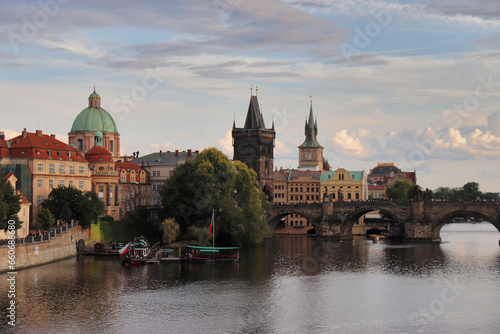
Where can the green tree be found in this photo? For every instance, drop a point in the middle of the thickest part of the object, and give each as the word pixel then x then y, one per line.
pixel 44 219
pixel 470 191
pixel 402 190
pixel 171 230
pixel 212 183
pixel 67 203
pixel 10 203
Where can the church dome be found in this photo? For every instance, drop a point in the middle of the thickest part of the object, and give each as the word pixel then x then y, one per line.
pixel 94 118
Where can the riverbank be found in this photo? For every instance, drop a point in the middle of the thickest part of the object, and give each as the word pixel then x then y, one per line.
pixel 33 254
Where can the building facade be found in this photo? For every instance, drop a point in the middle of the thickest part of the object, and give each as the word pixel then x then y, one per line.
pixel 160 166
pixel 134 188
pixel 49 162
pixel 386 174
pixel 254 146
pixel 344 185
pixel 24 211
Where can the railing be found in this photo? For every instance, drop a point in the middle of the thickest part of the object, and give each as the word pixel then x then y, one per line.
pixel 51 234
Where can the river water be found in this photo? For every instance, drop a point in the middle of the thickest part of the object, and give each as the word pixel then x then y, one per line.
pixel 286 285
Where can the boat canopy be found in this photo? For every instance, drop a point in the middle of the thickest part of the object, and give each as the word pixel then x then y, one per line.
pixel 209 249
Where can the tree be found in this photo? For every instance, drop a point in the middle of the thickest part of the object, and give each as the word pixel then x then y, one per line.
pixel 44 219
pixel 10 203
pixel 171 230
pixel 403 190
pixel 470 191
pixel 67 203
pixel 212 183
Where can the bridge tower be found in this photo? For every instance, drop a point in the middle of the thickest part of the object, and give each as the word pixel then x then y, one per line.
pixel 254 145
pixel 311 152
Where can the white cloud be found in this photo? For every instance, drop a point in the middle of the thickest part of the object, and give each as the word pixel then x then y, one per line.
pixel 226 143
pixel 351 144
pixel 280 149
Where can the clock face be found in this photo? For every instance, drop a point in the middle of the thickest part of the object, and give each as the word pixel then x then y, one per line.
pixel 309 156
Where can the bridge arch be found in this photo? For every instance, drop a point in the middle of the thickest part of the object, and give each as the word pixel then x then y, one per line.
pixel 446 218
pixel 354 216
pixel 310 212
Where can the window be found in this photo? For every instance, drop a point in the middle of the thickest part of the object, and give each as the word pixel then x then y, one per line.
pixel 81 184
pixel 72 169
pixel 61 182
pixel 52 168
pixel 79 144
pixel 39 183
pixel 170 173
pixel 71 183
pixel 123 177
pixel 51 183
pixel 81 169
pixel 111 146
pixel 39 167
pixel 156 201
pixel 123 197
pixel 39 199
pixel 143 177
pixel 101 188
pixel 62 169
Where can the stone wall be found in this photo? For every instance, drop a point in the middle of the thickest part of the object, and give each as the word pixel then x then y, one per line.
pixel 38 253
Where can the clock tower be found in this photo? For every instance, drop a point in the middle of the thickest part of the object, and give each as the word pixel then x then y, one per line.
pixel 311 152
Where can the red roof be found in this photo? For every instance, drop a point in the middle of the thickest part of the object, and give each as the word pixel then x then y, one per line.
pixel 128 166
pixel 4 149
pixel 98 153
pixel 40 146
pixel 314 175
pixel 375 187
pixel 24 200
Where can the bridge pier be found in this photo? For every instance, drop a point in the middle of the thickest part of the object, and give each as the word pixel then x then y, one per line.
pixel 420 232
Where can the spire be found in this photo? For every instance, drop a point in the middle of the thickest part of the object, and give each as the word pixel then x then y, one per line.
pixel 254 116
pixel 311 130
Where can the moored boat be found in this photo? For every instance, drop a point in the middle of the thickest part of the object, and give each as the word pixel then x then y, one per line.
pixel 136 252
pixel 202 254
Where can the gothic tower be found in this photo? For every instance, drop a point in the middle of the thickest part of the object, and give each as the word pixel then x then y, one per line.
pixel 311 152
pixel 254 146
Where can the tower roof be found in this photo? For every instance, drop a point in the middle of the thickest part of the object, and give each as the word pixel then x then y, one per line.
pixel 94 118
pixel 98 153
pixel 254 116
pixel 311 131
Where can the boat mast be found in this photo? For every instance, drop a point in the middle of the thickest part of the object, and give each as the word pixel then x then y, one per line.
pixel 213 228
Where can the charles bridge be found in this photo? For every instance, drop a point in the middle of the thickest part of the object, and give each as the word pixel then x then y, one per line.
pixel 418 220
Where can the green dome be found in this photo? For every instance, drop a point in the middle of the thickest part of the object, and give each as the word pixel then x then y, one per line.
pixel 94 119
pixel 94 94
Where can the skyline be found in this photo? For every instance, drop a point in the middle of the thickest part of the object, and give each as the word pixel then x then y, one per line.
pixel 411 82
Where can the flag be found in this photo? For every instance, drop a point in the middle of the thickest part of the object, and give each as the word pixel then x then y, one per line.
pixel 125 250
pixel 211 226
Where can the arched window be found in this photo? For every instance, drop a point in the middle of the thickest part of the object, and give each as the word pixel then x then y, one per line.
pixel 349 196
pixel 357 195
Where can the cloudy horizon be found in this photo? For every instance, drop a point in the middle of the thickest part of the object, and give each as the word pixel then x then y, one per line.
pixel 412 82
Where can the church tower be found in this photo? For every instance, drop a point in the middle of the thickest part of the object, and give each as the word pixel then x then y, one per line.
pixel 254 146
pixel 311 152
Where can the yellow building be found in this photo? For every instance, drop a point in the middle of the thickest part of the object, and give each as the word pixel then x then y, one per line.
pixel 104 176
pixel 49 162
pixel 344 185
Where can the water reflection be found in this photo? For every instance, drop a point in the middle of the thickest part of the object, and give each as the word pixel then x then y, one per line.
pixel 285 285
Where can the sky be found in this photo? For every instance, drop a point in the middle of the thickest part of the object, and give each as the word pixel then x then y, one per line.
pixel 416 83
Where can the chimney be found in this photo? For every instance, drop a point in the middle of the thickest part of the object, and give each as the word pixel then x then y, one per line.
pixel 189 152
pixel 160 153
pixel 38 132
pixel 2 135
pixel 176 153
pixel 53 136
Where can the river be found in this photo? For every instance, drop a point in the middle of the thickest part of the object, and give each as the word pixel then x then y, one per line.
pixel 285 285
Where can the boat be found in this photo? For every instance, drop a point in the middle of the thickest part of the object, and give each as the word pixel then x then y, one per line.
pixel 136 252
pixel 200 254
pixel 212 254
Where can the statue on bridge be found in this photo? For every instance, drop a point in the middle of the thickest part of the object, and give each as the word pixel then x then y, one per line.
pixel 340 196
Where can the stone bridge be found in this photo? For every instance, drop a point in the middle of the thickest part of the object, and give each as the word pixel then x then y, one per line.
pixel 419 220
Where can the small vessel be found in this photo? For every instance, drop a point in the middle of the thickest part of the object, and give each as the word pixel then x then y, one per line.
pixel 136 252
pixel 202 254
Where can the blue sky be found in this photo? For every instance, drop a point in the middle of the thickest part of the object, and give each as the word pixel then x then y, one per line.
pixel 413 82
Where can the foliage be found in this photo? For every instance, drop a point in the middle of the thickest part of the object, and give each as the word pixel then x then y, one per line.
pixel 108 218
pixel 468 192
pixel 135 224
pixel 67 203
pixel 171 230
pixel 44 219
pixel 402 190
pixel 212 183
pixel 10 203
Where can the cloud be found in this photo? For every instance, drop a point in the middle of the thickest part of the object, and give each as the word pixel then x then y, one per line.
pixel 280 150
pixel 226 143
pixel 165 146
pixel 351 145
pixel 9 134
